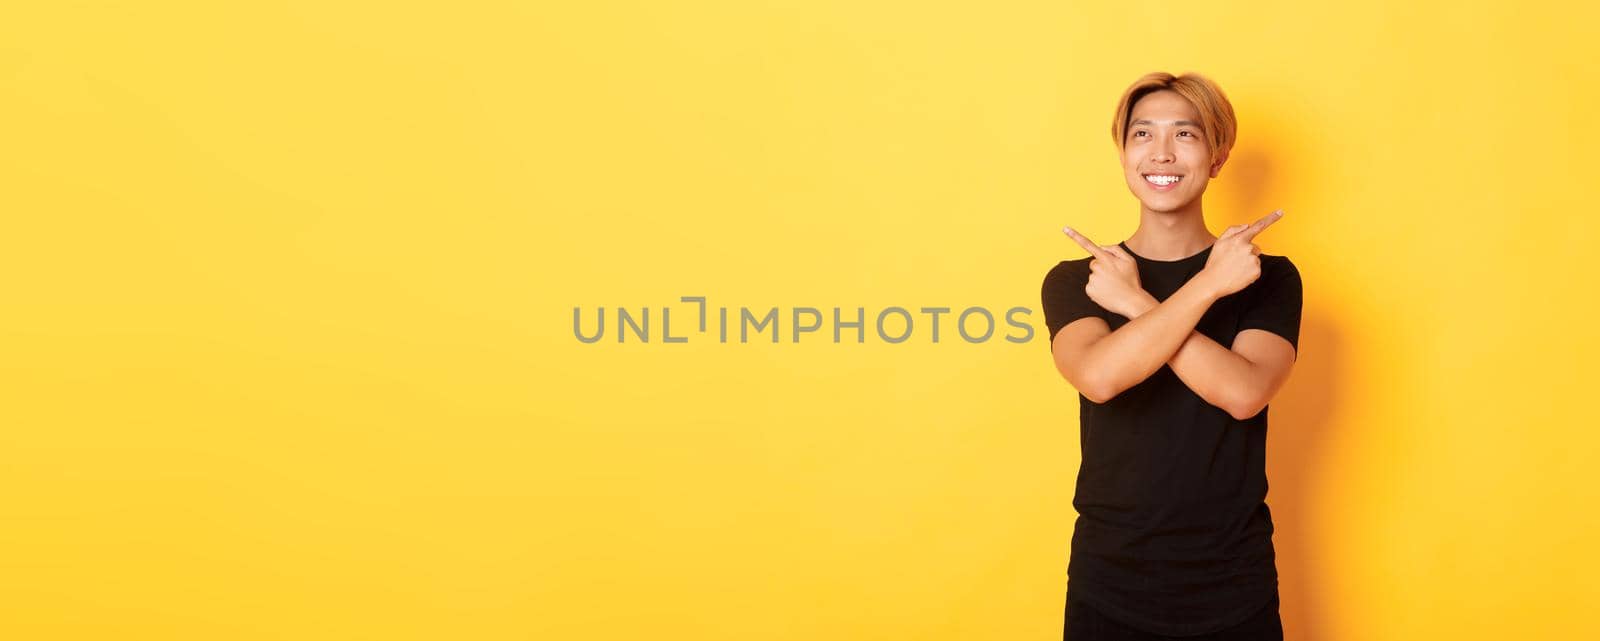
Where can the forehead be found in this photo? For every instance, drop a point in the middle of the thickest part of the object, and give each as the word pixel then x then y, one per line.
pixel 1164 105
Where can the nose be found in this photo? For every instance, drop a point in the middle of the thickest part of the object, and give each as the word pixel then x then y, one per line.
pixel 1162 152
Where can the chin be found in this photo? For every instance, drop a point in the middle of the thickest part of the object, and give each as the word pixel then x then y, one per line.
pixel 1165 206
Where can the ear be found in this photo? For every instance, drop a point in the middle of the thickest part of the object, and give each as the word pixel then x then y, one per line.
pixel 1216 165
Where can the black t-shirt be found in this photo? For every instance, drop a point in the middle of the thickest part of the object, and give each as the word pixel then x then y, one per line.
pixel 1173 533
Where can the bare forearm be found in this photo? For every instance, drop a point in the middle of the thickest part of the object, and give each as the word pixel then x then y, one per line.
pixel 1215 373
pixel 1141 346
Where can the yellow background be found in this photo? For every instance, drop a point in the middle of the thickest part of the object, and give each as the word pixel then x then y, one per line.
pixel 288 295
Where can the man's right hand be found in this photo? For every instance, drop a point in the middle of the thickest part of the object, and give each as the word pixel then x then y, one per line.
pixel 1235 261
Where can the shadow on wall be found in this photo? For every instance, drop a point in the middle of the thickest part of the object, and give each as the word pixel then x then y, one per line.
pixel 1300 416
pixel 1297 433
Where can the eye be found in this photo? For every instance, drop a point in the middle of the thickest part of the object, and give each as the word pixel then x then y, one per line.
pixel 1190 133
pixel 1136 133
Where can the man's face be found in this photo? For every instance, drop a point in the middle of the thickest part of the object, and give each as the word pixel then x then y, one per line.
pixel 1164 139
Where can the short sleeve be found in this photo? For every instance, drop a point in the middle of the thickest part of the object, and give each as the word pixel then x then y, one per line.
pixel 1277 303
pixel 1063 297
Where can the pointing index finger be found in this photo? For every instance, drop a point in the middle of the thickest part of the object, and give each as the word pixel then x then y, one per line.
pixel 1261 225
pixel 1085 243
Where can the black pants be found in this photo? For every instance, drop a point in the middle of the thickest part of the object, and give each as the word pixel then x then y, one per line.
pixel 1084 623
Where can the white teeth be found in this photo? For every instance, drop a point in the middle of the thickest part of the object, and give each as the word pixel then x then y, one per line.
pixel 1163 180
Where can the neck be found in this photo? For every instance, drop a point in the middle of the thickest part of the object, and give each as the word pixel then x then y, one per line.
pixel 1171 235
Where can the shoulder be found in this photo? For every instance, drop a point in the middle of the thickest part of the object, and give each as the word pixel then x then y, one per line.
pixel 1068 267
pixel 1281 262
pixel 1279 267
pixel 1067 272
pixel 1280 278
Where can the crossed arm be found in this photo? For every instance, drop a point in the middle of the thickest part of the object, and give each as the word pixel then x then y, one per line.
pixel 1102 363
pixel 1241 381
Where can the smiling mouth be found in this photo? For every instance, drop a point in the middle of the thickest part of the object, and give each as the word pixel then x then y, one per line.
pixel 1162 180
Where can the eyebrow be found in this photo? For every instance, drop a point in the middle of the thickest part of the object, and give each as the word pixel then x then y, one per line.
pixel 1180 123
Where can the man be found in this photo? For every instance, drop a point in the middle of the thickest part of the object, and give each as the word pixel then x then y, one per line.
pixel 1175 340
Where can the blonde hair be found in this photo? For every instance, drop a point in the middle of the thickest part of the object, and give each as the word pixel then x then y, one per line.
pixel 1216 113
